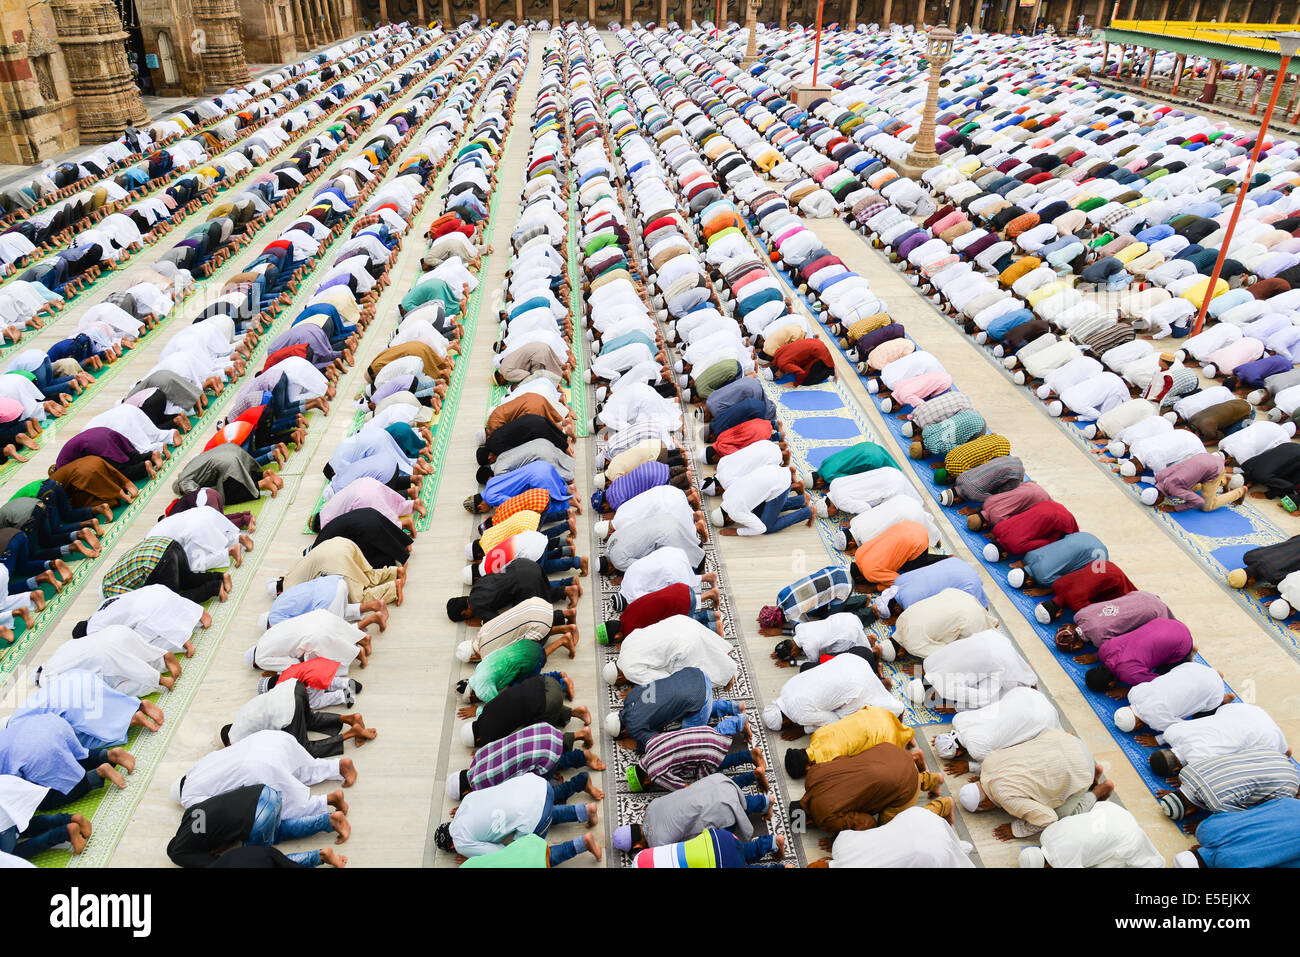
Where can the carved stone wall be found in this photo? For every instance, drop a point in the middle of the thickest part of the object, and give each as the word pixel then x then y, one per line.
pixel 91 35
pixel 221 45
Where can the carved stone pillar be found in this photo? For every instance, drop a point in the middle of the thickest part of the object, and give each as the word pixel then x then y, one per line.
pixel 93 41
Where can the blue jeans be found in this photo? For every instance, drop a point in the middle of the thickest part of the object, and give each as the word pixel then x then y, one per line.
pixel 732 723
pixel 270 828
pixel 305 858
pixel 557 854
pixel 43 832
pixel 735 759
pixel 782 512
pixel 757 849
pixel 555 811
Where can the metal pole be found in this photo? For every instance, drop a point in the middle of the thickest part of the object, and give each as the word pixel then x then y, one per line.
pixel 1241 193
pixel 817 46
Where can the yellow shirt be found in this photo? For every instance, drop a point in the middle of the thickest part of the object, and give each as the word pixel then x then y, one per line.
pixel 519 522
pixel 860 731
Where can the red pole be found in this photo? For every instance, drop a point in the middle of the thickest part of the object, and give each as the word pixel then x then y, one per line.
pixel 817 46
pixel 1241 193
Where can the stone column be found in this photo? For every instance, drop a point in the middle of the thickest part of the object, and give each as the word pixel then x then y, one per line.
pixel 1069 17
pixel 419 13
pixel 1223 11
pixel 663 12
pixel 1196 10
pixel 1164 10
pixel 884 19
pixel 555 12
pixel 954 14
pixel 785 12
pixel 627 12
pixel 722 16
pixel 301 34
pixel 591 11
pixel 482 12
pixel 920 13
pixel 93 41
pixel 519 11
pixel 751 24
pixel 853 15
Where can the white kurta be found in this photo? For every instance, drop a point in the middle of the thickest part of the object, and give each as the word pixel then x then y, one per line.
pixel 155 613
pixel 831 635
pixel 1019 715
pixel 317 634
pixel 1107 836
pixel 1234 727
pixel 661 568
pixel 272 710
pixel 270 758
pixel 915 838
pixel 125 661
pixel 1190 688
pixel 976 671
pixel 834 690
pixel 204 533
pixel 666 647
pixel 19 799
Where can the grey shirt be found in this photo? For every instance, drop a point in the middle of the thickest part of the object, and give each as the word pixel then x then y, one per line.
pixel 715 801
pixel 630 542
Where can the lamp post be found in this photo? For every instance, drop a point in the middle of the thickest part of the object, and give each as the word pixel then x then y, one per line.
pixel 938 50
pixel 1289 45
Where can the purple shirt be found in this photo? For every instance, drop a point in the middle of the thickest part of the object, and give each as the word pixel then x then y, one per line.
pixel 1134 658
pixel 107 444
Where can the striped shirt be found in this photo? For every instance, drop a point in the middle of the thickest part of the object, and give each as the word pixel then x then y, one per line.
pixel 135 566
pixel 630 437
pixel 644 477
pixel 943 437
pixel 675 759
pixel 822 587
pixel 1240 780
pixel 715 377
pixel 535 749
pixel 1000 475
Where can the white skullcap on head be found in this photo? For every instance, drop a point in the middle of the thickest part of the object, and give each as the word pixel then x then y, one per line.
pixel 467 574
pixel 773 718
pixel 610 672
pixel 453 786
pixel 264 621
pixel 1186 859
pixel 273 586
pixel 969 796
pixel 945 745
pixel 175 791
pixel 249 655
pixel 888 650
pixel 465 651
pixel 916 690
pixel 467 734
pixel 717 518
pixel 1032 857
pixel 1150 495
pixel 613 724
pixel 601 529
pixel 1125 719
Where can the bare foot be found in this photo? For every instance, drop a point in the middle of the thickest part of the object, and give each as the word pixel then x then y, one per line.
pixel 122 757
pixel 349 772
pixel 339 821
pixel 593 760
pixel 593 813
pixel 583 713
pixel 337 801
pixel 592 846
pixel 332 857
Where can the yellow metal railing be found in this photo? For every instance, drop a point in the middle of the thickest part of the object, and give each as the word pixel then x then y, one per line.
pixel 1229 33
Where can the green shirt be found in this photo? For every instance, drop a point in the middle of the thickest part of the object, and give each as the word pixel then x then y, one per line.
pixel 527 851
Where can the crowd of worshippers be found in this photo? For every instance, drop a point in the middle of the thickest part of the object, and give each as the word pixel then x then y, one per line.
pixel 117 194
pixel 1141 647
pixel 1069 229
pixel 103 467
pixel 154 595
pixel 841 681
pixel 316 629
pixel 518 707
pixel 41 383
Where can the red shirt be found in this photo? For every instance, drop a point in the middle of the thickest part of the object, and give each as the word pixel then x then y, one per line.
pixel 739 436
pixel 656 606
pixel 798 357
pixel 1094 582
pixel 314 672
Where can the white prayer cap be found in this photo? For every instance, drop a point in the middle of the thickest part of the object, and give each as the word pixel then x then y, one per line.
pixel 717 518
pixel 945 745
pixel 264 621
pixel 249 655
pixel 469 551
pixel 969 796
pixel 1032 857
pixel 916 690
pixel 464 651
pixel 453 786
pixel 1125 719
pixel 610 672
pixel 467 734
pixel 273 586
pixel 613 724
pixel 772 718
pixel 888 650
pixel 480 436
pixel 1150 495
pixel 467 574
pixel 1186 859
pixel 175 791
pixel 599 480
pixel 601 529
